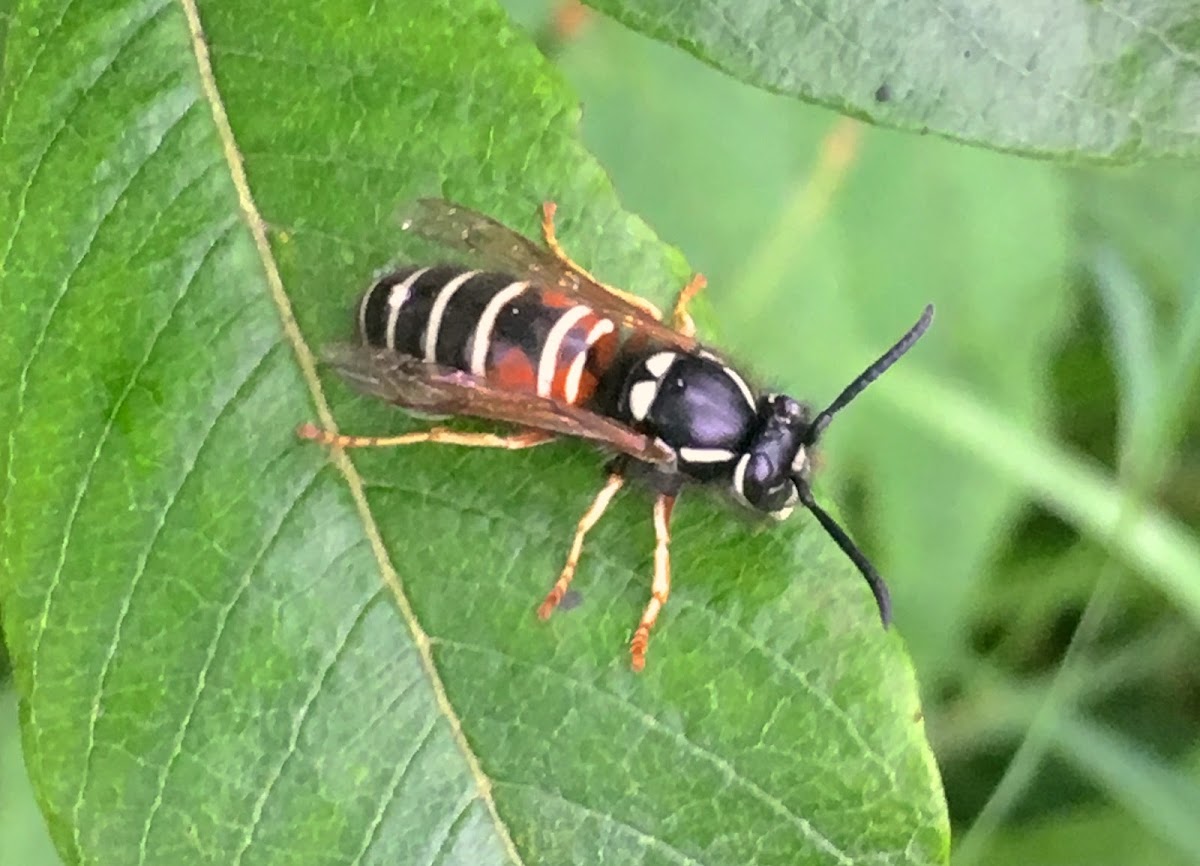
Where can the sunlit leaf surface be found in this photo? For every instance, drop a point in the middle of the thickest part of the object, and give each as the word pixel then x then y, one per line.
pixel 231 649
pixel 1113 80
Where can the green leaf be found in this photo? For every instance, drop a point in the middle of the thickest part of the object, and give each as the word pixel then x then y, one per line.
pixel 808 300
pixel 231 648
pixel 1148 214
pixel 1090 836
pixel 21 827
pixel 1111 81
pixel 1163 798
pixel 990 251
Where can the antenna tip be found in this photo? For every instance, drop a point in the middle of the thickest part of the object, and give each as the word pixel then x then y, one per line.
pixel 924 322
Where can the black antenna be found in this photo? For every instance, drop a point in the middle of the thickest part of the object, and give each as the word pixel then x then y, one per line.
pixel 878 587
pixel 869 375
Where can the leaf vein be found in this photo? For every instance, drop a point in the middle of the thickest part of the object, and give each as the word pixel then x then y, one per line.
pixel 599 553
pixel 307 364
pixel 1063 96
pixel 56 575
pixel 650 723
pixel 1172 47
pixel 81 99
pixel 384 712
pixel 22 388
pixel 647 839
pixel 149 232
pixel 394 785
pixel 206 665
pixel 447 832
pixel 135 581
pixel 781 664
pixel 341 643
pixel 46 40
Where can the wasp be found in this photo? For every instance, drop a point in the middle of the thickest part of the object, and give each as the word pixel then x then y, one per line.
pixel 532 339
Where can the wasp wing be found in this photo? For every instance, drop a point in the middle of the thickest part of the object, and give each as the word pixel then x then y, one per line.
pixel 496 246
pixel 436 390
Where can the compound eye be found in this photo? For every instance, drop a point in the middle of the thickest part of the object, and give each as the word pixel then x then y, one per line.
pixel 757 480
pixel 782 495
pixel 789 496
pixel 740 472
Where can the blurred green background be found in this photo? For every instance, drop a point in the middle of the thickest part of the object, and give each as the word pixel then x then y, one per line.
pixel 1028 480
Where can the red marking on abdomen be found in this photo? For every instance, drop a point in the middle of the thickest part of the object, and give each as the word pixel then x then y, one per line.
pixel 549 344
pixel 512 370
pixel 586 351
pixel 556 299
pixel 600 359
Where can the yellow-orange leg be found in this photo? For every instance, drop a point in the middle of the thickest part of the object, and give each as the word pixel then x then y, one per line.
pixel 661 588
pixel 680 317
pixel 548 209
pixel 570 17
pixel 437 435
pixel 593 514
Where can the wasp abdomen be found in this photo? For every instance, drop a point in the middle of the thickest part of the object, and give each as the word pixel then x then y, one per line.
pixel 512 333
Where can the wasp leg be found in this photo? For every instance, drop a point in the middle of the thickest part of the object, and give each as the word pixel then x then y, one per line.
pixel 680 317
pixel 438 435
pixel 548 209
pixel 661 588
pixel 570 18
pixel 589 519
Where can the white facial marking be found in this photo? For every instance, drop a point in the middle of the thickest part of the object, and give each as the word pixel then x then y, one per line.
pixel 705 455
pixel 487 322
pixel 789 506
pixel 742 386
pixel 439 309
pixel 657 365
pixel 548 362
pixel 739 478
pixel 397 295
pixel 641 396
pixel 575 373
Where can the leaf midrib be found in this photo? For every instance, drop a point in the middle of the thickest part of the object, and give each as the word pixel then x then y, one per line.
pixel 308 369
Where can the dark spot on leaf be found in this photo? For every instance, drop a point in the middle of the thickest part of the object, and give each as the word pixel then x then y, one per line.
pixel 950 691
pixel 571 600
pixel 967 54
pixel 883 93
pixel 986 637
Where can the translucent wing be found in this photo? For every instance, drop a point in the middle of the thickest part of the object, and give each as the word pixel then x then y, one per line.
pixel 496 246
pixel 434 390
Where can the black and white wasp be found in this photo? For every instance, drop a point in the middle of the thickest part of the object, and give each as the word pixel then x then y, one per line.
pixel 534 340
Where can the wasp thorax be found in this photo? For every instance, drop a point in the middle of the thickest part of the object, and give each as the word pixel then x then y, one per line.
pixel 700 407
